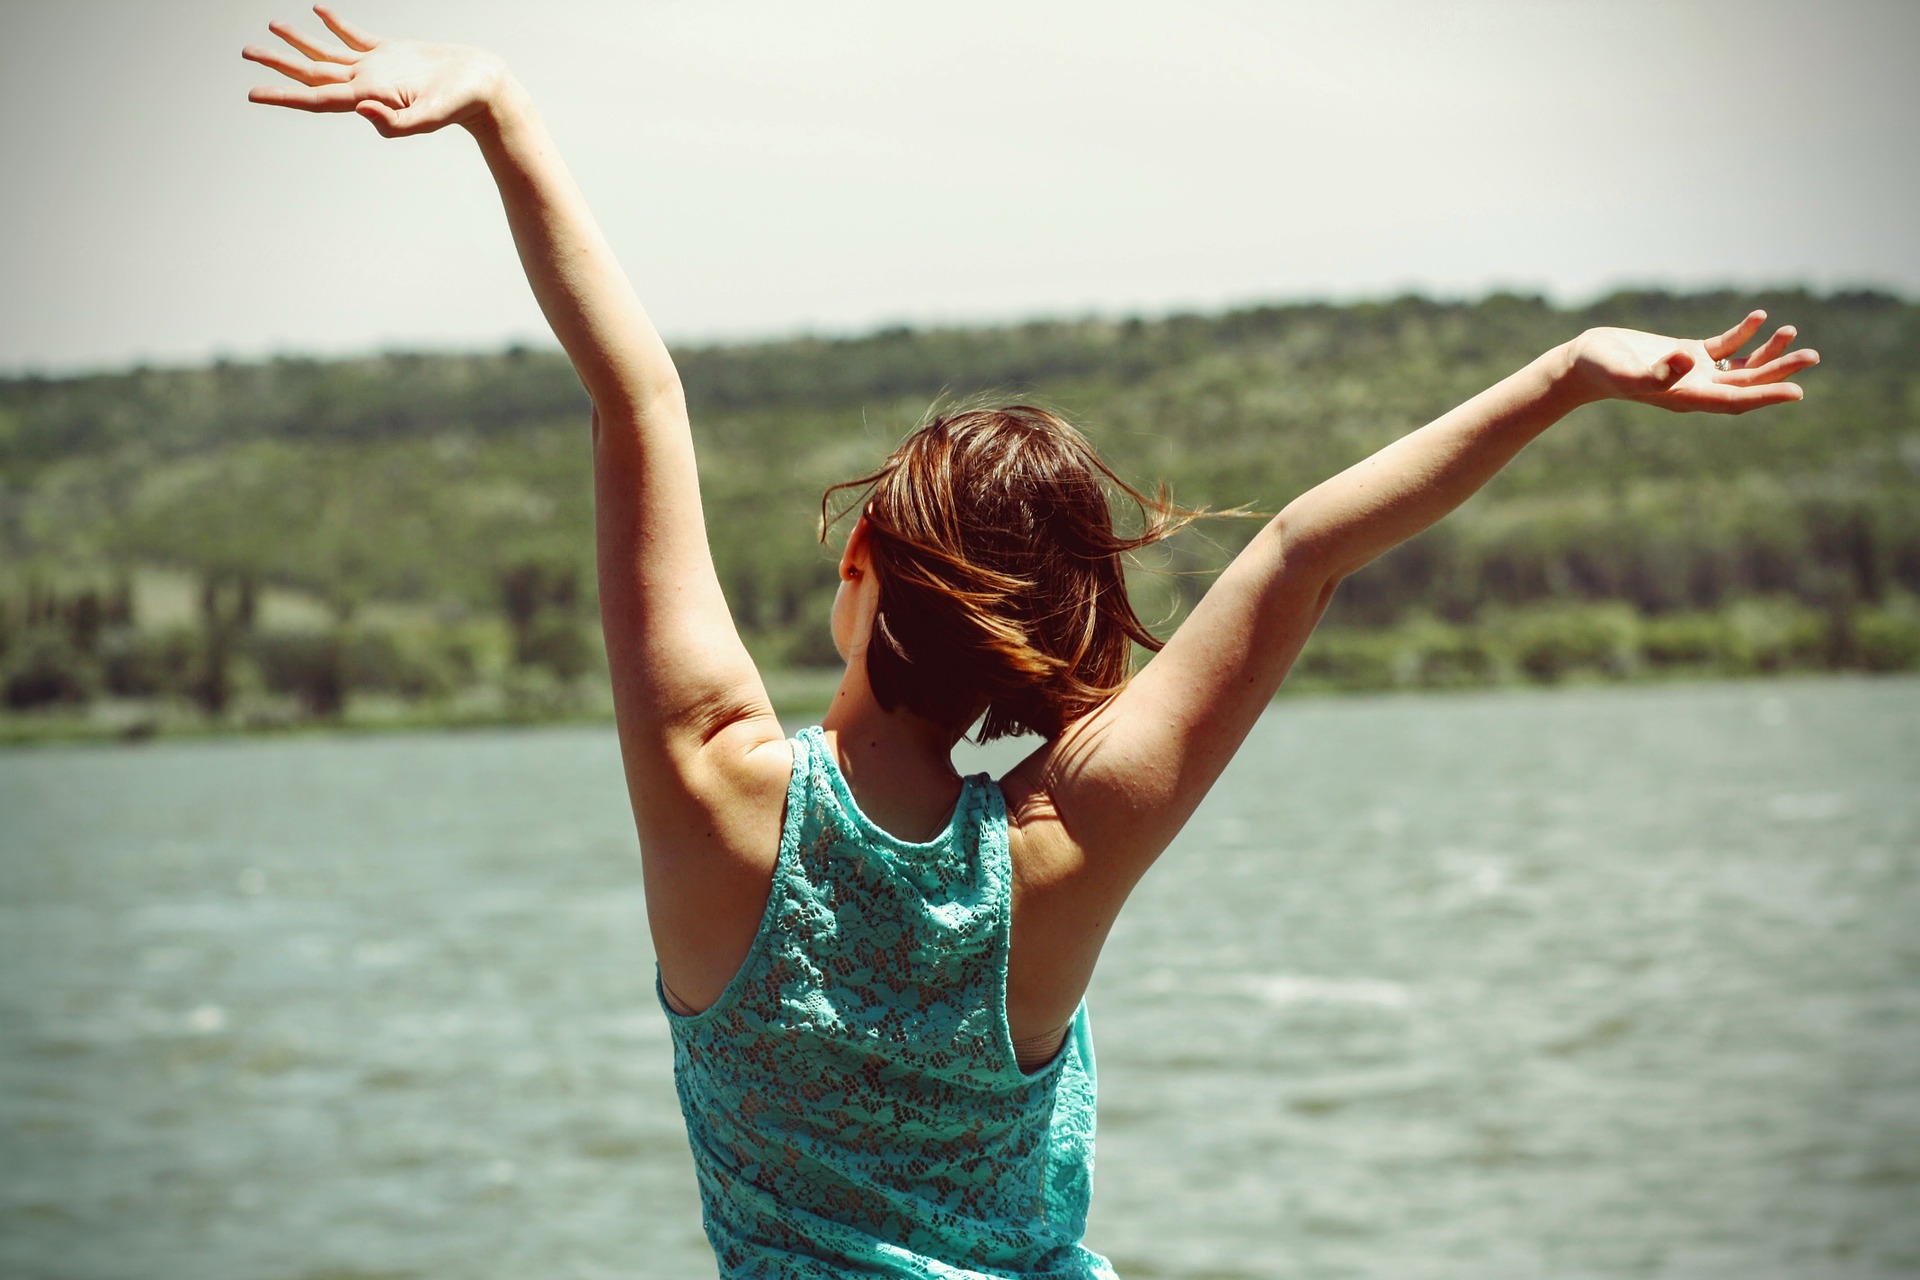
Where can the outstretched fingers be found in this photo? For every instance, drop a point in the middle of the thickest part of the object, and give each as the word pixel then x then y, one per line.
pixel 1735 338
pixel 307 73
pixel 1744 399
pixel 308 45
pixel 330 97
pixel 1763 369
pixel 1772 349
pixel 353 37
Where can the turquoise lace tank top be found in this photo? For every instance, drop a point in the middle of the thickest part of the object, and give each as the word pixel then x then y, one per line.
pixel 852 1098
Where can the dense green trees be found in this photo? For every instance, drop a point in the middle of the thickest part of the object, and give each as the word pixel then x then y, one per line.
pixel 436 510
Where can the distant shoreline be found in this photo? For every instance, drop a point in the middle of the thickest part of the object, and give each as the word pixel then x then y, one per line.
pixel 407 540
pixel 805 694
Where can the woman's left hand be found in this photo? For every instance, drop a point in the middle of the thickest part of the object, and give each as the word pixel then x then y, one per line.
pixel 1684 374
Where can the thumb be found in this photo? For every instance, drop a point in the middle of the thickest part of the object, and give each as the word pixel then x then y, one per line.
pixel 1671 368
pixel 390 122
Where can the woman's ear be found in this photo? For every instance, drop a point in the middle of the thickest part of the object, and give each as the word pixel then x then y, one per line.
pixel 856 559
pixel 857 601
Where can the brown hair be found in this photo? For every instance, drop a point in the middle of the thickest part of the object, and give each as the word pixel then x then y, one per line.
pixel 1002 588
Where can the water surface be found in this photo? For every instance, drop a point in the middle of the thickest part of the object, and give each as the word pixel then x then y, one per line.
pixel 1613 982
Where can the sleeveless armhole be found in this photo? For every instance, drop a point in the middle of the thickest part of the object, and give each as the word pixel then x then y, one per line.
pixel 782 867
pixel 1071 1032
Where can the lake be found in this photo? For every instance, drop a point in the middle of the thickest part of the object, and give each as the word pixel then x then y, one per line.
pixel 1587 983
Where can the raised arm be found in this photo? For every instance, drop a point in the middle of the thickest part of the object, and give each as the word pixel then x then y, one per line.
pixel 1126 778
pixel 681 676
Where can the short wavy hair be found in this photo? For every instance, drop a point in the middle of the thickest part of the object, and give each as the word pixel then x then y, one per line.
pixel 1002 585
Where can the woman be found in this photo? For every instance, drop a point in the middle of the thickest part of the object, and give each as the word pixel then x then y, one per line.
pixel 873 968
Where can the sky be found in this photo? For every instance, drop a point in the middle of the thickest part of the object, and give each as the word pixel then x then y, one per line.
pixel 765 169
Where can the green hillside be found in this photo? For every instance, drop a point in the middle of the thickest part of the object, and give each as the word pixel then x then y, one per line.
pixel 408 537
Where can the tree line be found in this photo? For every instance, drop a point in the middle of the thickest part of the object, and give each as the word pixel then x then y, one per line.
pixel 434 510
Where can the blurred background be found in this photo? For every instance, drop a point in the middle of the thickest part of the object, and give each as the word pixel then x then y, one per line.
pixel 1587 951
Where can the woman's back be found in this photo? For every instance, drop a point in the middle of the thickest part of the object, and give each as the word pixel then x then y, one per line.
pixel 853 1098
pixel 839 1083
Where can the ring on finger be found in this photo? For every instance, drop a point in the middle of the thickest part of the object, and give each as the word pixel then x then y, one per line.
pixel 1723 365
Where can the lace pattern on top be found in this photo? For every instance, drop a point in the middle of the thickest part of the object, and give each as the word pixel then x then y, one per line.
pixel 853 1099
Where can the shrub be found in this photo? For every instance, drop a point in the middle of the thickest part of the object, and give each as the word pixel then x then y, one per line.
pixel 147 664
pixel 1889 638
pixel 559 644
pixel 1440 656
pixel 1551 642
pixel 1683 640
pixel 535 693
pixel 46 669
pixel 1775 633
pixel 407 664
pixel 1349 659
pixel 309 665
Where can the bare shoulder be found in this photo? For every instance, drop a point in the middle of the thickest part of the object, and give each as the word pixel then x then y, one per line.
pixel 709 839
pixel 1094 802
pixel 1084 821
pixel 1069 884
pixel 1042 851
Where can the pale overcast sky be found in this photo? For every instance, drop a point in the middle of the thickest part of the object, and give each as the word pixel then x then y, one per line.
pixel 768 168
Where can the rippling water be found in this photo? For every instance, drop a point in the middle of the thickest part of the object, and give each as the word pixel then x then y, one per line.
pixel 1619 982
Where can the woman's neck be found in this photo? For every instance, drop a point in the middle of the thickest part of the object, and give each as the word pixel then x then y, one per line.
pixel 898 765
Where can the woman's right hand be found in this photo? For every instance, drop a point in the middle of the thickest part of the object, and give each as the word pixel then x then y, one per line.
pixel 402 86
